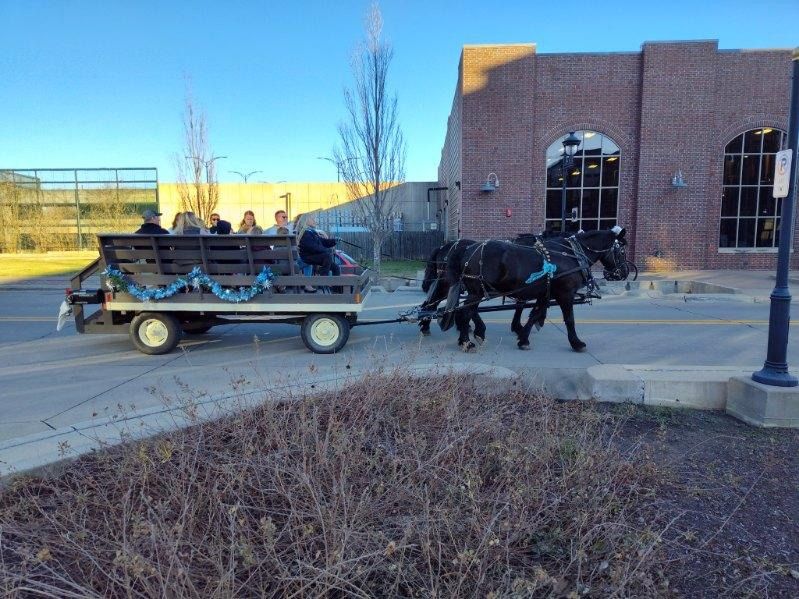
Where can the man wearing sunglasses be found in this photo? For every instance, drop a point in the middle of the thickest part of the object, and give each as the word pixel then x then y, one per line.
pixel 281 222
pixel 219 226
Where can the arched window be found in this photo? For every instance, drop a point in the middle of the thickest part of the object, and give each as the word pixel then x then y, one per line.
pixel 750 216
pixel 592 183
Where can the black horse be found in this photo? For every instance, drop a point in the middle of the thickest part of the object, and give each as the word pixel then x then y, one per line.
pixel 554 269
pixel 435 282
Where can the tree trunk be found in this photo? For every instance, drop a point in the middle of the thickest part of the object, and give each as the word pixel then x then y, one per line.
pixel 377 253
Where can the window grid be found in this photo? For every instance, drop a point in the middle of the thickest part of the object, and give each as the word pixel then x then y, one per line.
pixel 750 216
pixel 594 194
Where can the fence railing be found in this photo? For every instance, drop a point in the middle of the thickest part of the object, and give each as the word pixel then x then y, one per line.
pixel 401 245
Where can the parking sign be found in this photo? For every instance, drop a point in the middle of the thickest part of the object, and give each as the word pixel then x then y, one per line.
pixel 782 173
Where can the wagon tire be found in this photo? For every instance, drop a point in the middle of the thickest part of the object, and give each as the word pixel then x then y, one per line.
pixel 155 333
pixel 325 333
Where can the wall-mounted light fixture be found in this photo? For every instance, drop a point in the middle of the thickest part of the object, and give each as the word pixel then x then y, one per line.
pixel 678 181
pixel 491 184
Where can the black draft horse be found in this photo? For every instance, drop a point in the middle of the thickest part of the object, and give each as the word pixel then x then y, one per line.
pixel 500 268
pixel 435 283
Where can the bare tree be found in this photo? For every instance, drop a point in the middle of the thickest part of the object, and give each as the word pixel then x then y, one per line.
pixel 371 156
pixel 196 172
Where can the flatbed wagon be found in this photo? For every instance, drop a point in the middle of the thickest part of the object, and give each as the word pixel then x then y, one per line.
pixel 156 288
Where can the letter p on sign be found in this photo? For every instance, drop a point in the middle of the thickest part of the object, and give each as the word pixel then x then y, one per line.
pixel 782 174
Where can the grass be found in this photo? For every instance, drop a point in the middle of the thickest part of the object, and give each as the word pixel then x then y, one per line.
pixel 26 266
pixel 400 268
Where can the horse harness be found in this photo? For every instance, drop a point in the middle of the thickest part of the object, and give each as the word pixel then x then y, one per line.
pixel 583 266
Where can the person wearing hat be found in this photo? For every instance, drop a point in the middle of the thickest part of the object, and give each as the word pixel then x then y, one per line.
pixel 152 224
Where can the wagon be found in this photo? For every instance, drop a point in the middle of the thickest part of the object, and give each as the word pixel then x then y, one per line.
pixel 157 288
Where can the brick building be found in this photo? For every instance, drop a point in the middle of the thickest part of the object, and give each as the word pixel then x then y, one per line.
pixel 714 116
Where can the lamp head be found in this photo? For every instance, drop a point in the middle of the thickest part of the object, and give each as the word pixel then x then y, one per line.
pixel 570 144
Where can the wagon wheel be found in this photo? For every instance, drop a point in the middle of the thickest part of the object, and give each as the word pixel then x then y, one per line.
pixel 325 333
pixel 155 333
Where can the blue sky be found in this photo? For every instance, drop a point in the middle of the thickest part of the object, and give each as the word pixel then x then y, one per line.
pixel 91 84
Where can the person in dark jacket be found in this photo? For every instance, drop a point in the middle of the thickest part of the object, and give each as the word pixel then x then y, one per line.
pixel 219 226
pixel 315 249
pixel 152 224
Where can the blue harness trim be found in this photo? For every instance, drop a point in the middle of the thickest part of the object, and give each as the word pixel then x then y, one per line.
pixel 548 270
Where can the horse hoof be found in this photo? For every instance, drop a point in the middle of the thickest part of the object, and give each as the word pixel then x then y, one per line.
pixel 425 332
pixel 579 347
pixel 523 346
pixel 479 340
pixel 467 347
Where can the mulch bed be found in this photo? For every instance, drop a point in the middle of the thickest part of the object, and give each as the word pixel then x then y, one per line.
pixel 737 488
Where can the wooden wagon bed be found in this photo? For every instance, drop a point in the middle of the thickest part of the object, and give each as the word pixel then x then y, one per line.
pixel 233 261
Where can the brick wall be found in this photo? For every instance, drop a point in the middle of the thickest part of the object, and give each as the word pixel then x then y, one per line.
pixel 672 106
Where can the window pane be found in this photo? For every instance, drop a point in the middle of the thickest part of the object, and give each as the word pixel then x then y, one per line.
pixel 748 201
pixel 727 232
pixel 575 173
pixel 746 232
pixel 750 172
pixel 609 148
pixel 734 147
pixel 610 171
pixel 553 225
pixel 765 206
pixel 554 173
pixel 590 203
pixel 553 203
pixel 767 169
pixel 765 232
pixel 592 143
pixel 592 169
pixel 732 170
pixel 729 201
pixel 771 140
pixel 572 201
pixel 609 203
pixel 752 141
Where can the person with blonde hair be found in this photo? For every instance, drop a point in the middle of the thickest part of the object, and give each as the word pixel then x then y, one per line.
pixel 248 226
pixel 315 249
pixel 187 223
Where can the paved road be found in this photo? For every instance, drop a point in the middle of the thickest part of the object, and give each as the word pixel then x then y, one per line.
pixel 49 379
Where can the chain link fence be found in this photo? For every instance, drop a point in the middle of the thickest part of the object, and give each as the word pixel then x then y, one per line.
pixel 62 209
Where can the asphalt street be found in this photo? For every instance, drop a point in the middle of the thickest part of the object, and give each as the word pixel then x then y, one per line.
pixel 51 379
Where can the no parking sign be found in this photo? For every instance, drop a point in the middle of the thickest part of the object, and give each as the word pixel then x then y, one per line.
pixel 782 173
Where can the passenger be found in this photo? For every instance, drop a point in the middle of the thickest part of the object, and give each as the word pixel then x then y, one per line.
pixel 219 226
pixel 175 222
pixel 315 249
pixel 152 224
pixel 248 225
pixel 189 224
pixel 281 222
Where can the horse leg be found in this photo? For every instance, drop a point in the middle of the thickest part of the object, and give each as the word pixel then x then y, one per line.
pixel 516 323
pixel 462 317
pixel 434 295
pixel 479 326
pixel 566 302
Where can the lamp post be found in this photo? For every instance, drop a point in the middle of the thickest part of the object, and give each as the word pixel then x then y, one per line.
pixel 338 166
pixel 243 176
pixel 775 369
pixel 569 149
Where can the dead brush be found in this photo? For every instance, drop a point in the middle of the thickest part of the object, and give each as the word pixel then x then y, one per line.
pixel 393 486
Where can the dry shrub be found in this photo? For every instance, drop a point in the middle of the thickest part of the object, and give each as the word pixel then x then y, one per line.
pixel 391 487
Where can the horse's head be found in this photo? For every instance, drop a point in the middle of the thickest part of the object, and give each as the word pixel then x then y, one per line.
pixel 606 246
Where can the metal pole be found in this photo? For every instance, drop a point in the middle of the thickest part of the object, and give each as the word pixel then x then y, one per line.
pixel 77 213
pixel 775 369
pixel 564 171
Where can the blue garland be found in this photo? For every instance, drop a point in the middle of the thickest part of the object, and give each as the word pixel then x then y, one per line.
pixel 548 270
pixel 194 280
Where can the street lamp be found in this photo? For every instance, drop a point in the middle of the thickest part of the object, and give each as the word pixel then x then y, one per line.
pixel 338 166
pixel 197 161
pixel 569 150
pixel 243 176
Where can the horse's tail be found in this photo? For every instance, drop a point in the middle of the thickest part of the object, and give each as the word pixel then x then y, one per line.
pixel 431 269
pixel 453 299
